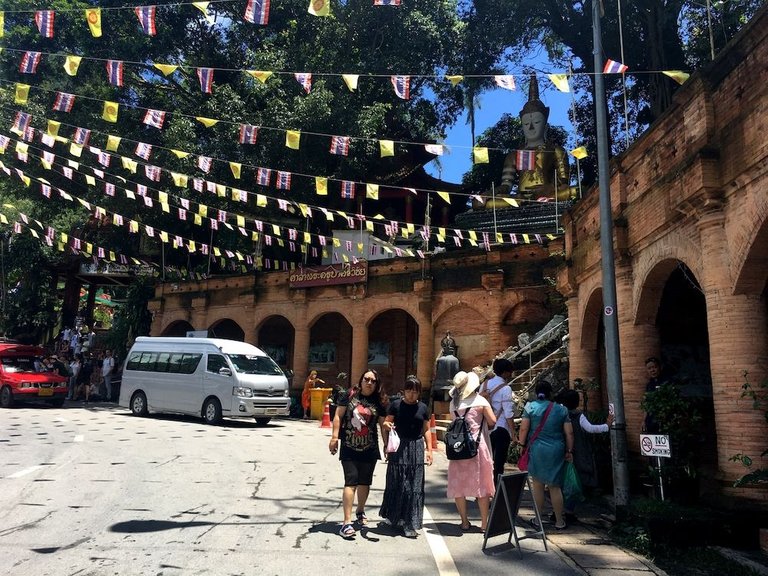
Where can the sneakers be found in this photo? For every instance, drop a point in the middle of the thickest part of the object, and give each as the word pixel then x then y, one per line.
pixel 362 519
pixel 409 533
pixel 347 531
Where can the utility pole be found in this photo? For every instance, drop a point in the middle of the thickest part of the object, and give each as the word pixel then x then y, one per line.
pixel 610 312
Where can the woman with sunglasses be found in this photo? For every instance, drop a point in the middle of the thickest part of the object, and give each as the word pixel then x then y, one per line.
pixel 403 503
pixel 355 427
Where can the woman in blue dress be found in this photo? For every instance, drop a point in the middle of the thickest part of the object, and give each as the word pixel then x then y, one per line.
pixel 550 449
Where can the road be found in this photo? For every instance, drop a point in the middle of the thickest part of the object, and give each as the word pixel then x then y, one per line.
pixel 96 491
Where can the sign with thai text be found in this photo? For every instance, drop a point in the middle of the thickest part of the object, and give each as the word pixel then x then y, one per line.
pixel 655 445
pixel 332 274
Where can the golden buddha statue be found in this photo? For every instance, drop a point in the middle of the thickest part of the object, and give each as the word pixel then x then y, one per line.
pixel 549 176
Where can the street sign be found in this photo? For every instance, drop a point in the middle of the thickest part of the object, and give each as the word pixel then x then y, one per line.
pixel 655 445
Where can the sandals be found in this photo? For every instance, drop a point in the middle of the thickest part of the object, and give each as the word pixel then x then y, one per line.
pixel 362 519
pixel 347 531
pixel 466 528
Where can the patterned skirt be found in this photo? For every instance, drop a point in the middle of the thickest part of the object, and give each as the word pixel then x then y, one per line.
pixel 403 503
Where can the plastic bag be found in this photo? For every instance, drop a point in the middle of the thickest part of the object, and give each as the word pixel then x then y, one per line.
pixel 571 483
pixel 393 442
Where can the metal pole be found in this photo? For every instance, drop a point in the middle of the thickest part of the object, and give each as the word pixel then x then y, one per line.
pixel 610 323
pixel 709 25
pixel 493 201
pixel 661 478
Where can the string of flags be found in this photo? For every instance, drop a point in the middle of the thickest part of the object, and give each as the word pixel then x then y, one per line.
pixel 47 160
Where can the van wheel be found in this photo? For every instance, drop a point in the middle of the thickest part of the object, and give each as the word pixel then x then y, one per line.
pixel 262 421
pixel 6 397
pixel 139 404
pixel 212 411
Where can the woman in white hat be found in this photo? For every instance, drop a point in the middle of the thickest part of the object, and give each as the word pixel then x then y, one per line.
pixel 473 477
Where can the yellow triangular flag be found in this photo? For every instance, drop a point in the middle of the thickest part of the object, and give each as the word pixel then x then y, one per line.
pixel 47 165
pixel 261 200
pixel 321 186
pixel 207 122
pixel 53 127
pixel 372 191
pixel 71 65
pixel 526 239
pixel 319 7
pixel 444 196
pixel 580 152
pixel 292 139
pixel 2 24
pixel 129 164
pixel 455 79
pixel 677 75
pixel 93 16
pixel 203 7
pixel 162 197
pixel 236 167
pixel 221 191
pixel 166 69
pixel 560 81
pixel 351 81
pixel 179 153
pixel 90 180
pixel 197 220
pixel 480 155
pixel 76 150
pixel 179 180
pixel 22 94
pixel 202 210
pixel 511 201
pixel 22 147
pixel 110 111
pixel 387 147
pixel 260 75
pixel 113 142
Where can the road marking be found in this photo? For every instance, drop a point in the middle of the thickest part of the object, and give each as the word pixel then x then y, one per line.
pixel 79 438
pixel 440 552
pixel 24 472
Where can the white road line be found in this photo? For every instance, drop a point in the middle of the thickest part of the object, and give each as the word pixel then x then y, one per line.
pixel 440 552
pixel 24 472
pixel 79 438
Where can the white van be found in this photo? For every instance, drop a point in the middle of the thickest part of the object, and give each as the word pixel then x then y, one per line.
pixel 210 377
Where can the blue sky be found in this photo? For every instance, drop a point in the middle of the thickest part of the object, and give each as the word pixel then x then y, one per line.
pixel 492 105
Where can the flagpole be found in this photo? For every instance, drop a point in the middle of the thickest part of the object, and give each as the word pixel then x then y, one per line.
pixel 210 253
pixel 623 77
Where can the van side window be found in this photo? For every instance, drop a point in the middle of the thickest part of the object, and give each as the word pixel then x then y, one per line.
pixel 174 362
pixel 148 361
pixel 189 363
pixel 216 361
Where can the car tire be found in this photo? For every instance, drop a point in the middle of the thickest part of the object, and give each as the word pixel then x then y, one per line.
pixel 212 411
pixel 139 404
pixel 57 403
pixel 6 397
pixel 262 421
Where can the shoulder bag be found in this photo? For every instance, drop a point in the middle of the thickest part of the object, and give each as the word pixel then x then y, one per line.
pixel 522 462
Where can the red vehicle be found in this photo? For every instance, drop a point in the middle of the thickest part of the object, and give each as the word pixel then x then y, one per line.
pixel 20 382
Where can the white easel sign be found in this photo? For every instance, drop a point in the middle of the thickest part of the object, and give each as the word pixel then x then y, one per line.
pixel 655 445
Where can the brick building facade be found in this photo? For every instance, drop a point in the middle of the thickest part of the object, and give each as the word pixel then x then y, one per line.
pixel 690 204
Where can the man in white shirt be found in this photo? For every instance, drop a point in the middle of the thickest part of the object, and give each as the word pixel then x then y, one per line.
pixel 499 394
pixel 107 367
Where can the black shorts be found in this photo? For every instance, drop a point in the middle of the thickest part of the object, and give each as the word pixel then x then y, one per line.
pixel 358 473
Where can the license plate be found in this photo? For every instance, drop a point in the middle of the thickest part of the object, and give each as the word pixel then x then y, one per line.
pixel 45 392
pixel 271 411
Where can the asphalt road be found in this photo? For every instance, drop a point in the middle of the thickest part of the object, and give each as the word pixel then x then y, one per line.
pixel 97 491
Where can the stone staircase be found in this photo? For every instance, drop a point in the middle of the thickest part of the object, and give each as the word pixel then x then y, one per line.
pixel 544 356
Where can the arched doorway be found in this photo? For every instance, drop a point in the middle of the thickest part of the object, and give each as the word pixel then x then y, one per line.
pixel 227 329
pixel 330 347
pixel 178 328
pixel 393 339
pixel 275 336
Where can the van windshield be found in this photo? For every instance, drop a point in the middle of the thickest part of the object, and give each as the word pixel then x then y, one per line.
pixel 247 364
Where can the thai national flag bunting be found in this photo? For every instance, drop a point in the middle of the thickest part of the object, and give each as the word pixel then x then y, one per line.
pixel 505 81
pixel 204 163
pixel 205 75
pixel 115 72
pixel 154 118
pixel 104 159
pixel 64 102
pixel 257 12
pixel 81 137
pixel 263 176
pixel 613 67
pixel 526 160
pixel 305 79
pixel 340 145
pixel 143 150
pixel 248 133
pixel 29 62
pixel 21 123
pixel 347 189
pixel 386 2
pixel 152 172
pixel 283 180
pixel 44 21
pixel 146 16
pixel 402 86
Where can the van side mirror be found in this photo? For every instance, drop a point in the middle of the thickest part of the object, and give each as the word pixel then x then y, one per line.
pixel 224 371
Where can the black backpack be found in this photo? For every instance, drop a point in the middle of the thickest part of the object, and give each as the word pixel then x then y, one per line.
pixel 459 443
